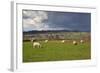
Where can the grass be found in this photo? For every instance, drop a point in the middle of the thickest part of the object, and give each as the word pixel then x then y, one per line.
pixel 56 51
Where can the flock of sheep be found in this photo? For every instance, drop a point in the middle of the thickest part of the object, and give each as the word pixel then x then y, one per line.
pixel 74 42
pixel 37 44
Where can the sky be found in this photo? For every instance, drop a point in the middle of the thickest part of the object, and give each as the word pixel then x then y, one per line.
pixel 52 20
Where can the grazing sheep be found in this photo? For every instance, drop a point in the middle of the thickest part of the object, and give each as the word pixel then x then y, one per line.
pixel 81 41
pixel 36 45
pixel 74 42
pixel 46 41
pixel 63 41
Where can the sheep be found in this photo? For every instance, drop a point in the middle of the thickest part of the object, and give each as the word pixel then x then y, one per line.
pixel 46 41
pixel 81 41
pixel 63 41
pixel 36 45
pixel 74 42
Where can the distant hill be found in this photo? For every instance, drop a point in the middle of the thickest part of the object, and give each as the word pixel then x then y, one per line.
pixel 46 31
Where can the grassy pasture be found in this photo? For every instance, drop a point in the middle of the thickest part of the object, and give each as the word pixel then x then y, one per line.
pixel 54 50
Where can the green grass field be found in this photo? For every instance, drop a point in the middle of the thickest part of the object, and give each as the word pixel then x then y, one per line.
pixel 56 51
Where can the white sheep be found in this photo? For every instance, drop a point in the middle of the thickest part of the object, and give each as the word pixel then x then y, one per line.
pixel 46 41
pixel 36 45
pixel 63 41
pixel 74 42
pixel 81 41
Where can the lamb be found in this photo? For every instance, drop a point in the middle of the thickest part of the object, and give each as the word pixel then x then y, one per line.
pixel 81 41
pixel 36 45
pixel 63 41
pixel 74 42
pixel 46 41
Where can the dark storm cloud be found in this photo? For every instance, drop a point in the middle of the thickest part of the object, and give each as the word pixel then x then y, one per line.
pixel 74 21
